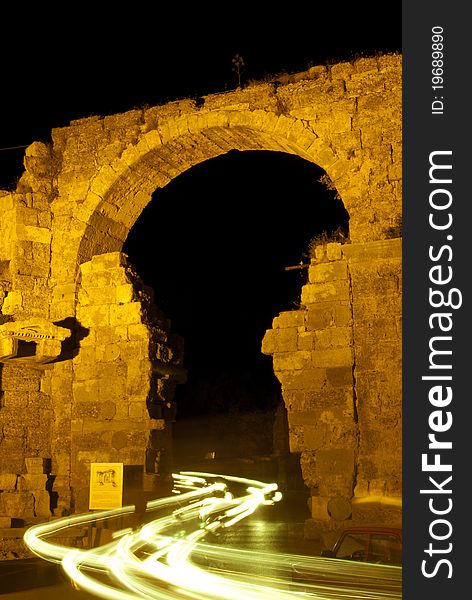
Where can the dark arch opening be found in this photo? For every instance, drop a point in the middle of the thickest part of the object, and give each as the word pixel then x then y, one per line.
pixel 214 245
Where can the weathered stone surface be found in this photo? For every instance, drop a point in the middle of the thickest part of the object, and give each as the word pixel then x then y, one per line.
pixel 344 406
pixel 29 482
pixel 42 504
pixel 292 361
pixel 18 504
pixel 280 340
pixel 329 271
pixel 61 235
pixel 34 465
pixel 289 319
pixel 8 482
pixel 339 508
pixel 321 292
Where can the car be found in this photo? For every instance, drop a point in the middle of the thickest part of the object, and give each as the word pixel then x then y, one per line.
pixel 367 557
pixel 380 544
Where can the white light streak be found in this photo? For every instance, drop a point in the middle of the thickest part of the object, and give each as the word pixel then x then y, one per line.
pixel 166 559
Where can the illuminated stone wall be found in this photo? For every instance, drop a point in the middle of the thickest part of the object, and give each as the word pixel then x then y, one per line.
pixel 338 359
pixel 73 209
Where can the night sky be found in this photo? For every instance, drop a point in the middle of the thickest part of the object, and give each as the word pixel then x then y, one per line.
pixel 215 242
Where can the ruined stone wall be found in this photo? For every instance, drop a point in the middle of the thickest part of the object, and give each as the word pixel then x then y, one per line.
pixel 105 399
pixel 338 359
pixel 26 417
pixel 26 234
pixel 77 201
pixel 107 407
pixel 26 412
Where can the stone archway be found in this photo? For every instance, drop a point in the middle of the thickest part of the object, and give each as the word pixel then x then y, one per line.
pixel 79 197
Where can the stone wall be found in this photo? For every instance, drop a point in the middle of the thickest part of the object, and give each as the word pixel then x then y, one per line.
pixel 63 228
pixel 338 359
pixel 107 398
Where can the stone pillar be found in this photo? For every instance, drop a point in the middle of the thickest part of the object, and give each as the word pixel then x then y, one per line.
pixel 115 388
pixel 376 277
pixel 338 359
pixel 314 361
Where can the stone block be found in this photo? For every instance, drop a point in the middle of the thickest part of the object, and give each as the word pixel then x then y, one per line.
pixel 8 482
pixel 77 425
pixel 18 504
pixel 302 417
pixel 125 314
pixel 86 357
pixel 85 394
pixel 340 376
pixel 138 331
pixel 268 342
pixel 369 358
pixel 89 409
pixel 394 172
pixel 335 461
pixel 13 303
pixel 105 294
pixel 60 468
pixel 61 310
pixel 112 260
pixel 333 337
pixel 317 435
pixel 111 376
pixel 94 316
pixel 371 138
pixel 13 461
pixel 90 441
pixel 108 352
pixel 336 290
pixel 308 467
pixel 379 279
pixel 324 272
pixel 342 315
pixel 328 397
pixel 106 335
pixel 124 293
pixel 291 361
pixel 335 357
pixel 318 506
pixel 34 465
pixel 107 411
pixel 120 440
pixel 119 277
pixel 137 410
pixel 369 251
pixel 94 279
pixel 42 502
pixel 136 351
pixel 293 318
pixel 29 482
pixel 306 340
pixel 137 382
pixel 339 508
pixel 379 330
pixel 320 315
pixel 312 379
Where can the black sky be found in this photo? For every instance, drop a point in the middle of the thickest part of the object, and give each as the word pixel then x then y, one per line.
pixel 101 60
pixel 232 224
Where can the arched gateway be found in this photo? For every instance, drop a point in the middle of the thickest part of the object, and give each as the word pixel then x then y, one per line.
pixel 89 365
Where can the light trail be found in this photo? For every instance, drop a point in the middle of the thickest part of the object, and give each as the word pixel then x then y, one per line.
pixel 166 558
